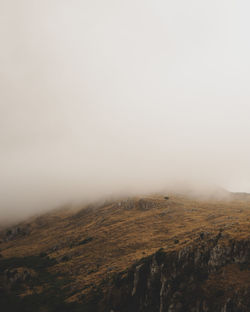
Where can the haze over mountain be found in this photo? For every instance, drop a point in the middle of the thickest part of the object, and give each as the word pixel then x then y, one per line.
pixel 102 98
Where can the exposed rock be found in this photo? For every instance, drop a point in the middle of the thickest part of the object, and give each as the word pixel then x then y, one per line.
pixel 128 204
pixel 144 204
pixel 18 275
pixel 178 281
pixel 85 241
pixel 55 248
pixel 65 258
pixel 15 232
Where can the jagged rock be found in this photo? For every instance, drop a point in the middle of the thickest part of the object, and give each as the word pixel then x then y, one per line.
pixel 144 204
pixel 18 275
pixel 128 204
pixel 15 232
pixel 177 281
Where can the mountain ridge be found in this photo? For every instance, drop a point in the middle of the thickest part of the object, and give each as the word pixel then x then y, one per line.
pixel 87 247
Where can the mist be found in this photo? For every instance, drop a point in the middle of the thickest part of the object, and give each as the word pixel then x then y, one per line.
pixel 106 98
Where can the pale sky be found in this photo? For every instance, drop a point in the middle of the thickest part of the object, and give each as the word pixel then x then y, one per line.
pixel 101 97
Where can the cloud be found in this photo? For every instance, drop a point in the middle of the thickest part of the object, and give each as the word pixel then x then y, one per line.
pixel 107 98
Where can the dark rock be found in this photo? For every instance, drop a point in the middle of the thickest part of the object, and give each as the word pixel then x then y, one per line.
pixel 202 235
pixel 173 281
pixel 85 241
pixel 55 248
pixel 16 232
pixel 65 258
pixel 18 275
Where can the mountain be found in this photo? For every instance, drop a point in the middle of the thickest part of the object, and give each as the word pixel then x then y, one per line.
pixel 162 252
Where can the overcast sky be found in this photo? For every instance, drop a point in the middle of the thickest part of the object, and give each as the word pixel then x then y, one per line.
pixel 99 97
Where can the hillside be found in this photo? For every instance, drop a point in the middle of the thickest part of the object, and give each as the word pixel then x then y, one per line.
pixel 81 259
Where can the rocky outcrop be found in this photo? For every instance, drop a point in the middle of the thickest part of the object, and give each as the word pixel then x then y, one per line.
pixel 15 232
pixel 141 204
pixel 18 275
pixel 210 275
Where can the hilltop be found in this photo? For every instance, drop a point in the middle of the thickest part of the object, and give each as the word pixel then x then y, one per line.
pixel 76 254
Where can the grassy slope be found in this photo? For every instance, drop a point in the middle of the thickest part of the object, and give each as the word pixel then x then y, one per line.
pixel 121 233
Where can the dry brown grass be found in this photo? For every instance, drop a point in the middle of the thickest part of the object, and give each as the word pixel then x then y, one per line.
pixel 123 232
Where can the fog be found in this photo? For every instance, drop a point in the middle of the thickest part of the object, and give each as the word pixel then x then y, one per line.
pixel 101 98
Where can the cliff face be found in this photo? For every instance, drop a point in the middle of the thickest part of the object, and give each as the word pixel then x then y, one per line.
pixel 210 275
